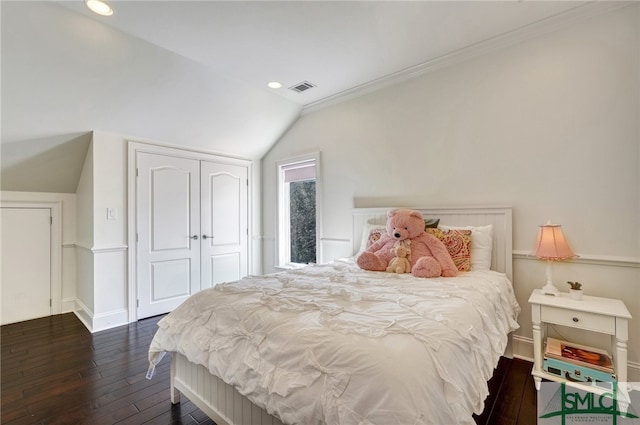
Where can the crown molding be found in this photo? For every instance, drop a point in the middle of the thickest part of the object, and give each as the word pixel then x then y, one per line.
pixel 536 29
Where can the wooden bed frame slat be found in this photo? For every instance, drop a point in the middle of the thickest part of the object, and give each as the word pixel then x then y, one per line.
pixel 221 402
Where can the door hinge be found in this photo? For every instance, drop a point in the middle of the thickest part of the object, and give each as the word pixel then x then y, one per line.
pixel 50 302
pixel 137 174
pixel 136 237
pixel 50 220
pixel 138 303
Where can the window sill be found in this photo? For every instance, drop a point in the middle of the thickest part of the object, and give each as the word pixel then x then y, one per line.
pixel 289 267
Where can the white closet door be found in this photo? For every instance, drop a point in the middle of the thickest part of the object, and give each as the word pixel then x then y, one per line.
pixel 224 198
pixel 168 225
pixel 26 263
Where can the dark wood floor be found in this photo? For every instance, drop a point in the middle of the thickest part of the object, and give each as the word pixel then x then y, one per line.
pixel 54 371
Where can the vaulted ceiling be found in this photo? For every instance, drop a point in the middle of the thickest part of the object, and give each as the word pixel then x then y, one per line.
pixel 335 45
pixel 195 73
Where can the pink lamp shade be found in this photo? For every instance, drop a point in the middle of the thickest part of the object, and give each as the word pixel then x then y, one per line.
pixel 551 244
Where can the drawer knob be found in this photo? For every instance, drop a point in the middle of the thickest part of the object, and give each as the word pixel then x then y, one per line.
pixel 575 319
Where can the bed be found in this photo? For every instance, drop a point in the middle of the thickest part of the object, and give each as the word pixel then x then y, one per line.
pixel 334 344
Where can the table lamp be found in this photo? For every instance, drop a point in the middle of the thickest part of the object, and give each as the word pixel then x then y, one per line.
pixel 552 246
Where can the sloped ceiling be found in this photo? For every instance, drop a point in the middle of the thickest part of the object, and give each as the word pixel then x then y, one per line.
pixel 51 164
pixel 194 73
pixel 64 74
pixel 336 45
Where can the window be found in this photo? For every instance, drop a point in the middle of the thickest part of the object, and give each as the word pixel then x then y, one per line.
pixel 297 211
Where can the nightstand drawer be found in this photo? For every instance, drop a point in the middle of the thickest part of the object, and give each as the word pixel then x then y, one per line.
pixel 579 319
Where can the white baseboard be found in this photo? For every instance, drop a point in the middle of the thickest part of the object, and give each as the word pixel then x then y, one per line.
pixel 523 349
pixel 84 314
pixel 110 320
pixel 67 305
pixel 99 322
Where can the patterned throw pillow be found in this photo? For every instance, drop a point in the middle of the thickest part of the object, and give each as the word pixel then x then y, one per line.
pixel 374 234
pixel 458 243
pixel 481 244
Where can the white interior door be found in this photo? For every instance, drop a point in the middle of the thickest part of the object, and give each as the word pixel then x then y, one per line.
pixel 26 263
pixel 168 225
pixel 224 197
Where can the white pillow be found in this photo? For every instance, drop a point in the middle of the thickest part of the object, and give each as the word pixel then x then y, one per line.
pixel 481 244
pixel 366 232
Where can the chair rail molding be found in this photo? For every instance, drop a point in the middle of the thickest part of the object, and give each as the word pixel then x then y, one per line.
pixel 598 260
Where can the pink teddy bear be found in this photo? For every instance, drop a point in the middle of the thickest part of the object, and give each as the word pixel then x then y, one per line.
pixel 429 256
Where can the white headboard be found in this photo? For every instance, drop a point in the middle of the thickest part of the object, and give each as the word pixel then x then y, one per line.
pixel 498 216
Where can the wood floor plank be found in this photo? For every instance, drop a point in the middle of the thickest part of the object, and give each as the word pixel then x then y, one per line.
pixel 507 407
pixel 528 404
pixel 55 372
pixel 495 384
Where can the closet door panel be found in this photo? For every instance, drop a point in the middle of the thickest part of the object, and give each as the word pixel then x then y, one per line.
pixel 225 205
pixel 168 226
pixel 225 268
pixel 224 201
pixel 170 209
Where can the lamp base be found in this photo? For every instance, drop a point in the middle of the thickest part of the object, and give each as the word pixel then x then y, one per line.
pixel 550 289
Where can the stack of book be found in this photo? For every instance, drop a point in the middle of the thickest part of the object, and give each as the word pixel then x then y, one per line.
pixel 578 363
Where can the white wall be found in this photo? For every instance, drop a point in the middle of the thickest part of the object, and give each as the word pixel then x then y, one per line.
pixel 109 189
pixel 65 74
pixel 84 193
pixel 549 126
pixel 84 243
pixel 109 235
pixel 101 251
pixel 103 290
pixel 94 249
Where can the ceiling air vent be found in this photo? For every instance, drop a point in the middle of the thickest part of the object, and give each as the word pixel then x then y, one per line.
pixel 300 87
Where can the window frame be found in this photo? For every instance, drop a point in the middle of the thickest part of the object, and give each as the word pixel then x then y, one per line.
pixel 283 238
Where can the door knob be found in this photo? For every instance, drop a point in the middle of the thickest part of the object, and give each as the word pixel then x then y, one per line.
pixel 207 237
pixel 194 237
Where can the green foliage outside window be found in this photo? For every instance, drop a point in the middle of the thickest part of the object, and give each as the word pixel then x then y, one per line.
pixel 302 196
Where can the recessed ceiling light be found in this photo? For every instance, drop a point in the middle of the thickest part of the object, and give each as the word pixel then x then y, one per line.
pixel 274 84
pixel 99 7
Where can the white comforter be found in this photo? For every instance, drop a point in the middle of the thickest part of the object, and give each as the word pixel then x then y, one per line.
pixel 333 344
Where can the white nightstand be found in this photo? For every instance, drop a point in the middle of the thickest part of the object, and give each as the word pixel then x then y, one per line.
pixel 604 315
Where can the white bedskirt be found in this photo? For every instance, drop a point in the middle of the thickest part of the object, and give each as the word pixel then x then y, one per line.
pixel 333 344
